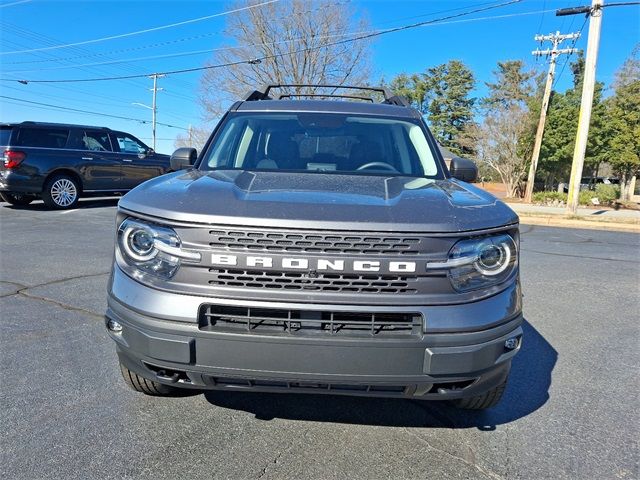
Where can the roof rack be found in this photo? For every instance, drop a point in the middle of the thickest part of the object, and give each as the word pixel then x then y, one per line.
pixel 263 93
pixel 326 95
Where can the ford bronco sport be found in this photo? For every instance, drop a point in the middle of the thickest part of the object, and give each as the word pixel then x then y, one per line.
pixel 317 246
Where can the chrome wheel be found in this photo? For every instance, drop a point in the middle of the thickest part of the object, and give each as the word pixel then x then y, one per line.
pixel 63 192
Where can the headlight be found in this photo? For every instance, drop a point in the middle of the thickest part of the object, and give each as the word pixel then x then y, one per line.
pixel 482 262
pixel 145 248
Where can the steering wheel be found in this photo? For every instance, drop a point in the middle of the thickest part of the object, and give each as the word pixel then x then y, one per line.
pixel 383 165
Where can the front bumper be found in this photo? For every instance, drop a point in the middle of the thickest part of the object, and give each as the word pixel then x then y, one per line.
pixel 161 340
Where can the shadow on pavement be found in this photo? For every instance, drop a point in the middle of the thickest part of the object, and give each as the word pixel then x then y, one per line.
pixel 83 204
pixel 527 390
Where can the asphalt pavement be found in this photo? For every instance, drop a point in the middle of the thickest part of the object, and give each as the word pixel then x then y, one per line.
pixel 571 409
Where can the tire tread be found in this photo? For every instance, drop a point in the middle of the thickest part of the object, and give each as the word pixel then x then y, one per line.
pixel 480 402
pixel 143 385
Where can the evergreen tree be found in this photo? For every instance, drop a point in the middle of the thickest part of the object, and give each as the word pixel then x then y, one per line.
pixel 411 87
pixel 449 107
pixel 513 85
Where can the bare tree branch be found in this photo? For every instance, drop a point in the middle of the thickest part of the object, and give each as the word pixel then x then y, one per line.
pixel 291 34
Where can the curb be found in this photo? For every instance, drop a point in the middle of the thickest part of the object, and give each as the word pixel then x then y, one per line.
pixel 557 221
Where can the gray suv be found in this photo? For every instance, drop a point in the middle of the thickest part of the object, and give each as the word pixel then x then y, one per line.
pixel 317 246
pixel 60 162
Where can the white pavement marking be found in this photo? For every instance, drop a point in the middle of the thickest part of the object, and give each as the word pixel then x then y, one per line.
pixel 68 211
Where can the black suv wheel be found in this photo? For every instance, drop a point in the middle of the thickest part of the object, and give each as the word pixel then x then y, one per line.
pixel 17 198
pixel 60 192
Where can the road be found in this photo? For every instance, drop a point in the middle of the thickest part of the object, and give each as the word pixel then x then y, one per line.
pixel 570 410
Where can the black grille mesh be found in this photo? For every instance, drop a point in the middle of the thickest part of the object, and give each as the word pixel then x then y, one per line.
pixel 313 242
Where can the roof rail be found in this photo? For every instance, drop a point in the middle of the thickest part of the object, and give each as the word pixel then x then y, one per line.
pixel 326 95
pixel 263 93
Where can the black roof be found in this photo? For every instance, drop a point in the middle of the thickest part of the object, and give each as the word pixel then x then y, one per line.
pixel 326 106
pixel 51 124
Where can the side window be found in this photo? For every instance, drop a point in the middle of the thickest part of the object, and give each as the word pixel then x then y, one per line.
pixel 128 144
pixel 5 135
pixel 219 156
pixel 42 137
pixel 96 141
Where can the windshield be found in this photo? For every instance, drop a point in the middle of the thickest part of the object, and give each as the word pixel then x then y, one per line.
pixel 320 142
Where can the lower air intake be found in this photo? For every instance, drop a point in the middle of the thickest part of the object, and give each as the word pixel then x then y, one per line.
pixel 254 320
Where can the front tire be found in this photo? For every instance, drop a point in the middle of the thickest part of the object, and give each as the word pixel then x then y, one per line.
pixel 142 385
pixel 480 402
pixel 61 192
pixel 18 199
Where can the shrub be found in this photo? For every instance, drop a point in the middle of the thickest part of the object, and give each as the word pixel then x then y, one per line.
pixel 607 193
pixel 585 196
pixel 548 197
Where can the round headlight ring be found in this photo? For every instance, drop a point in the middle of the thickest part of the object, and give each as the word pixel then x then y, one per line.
pixel 138 243
pixel 499 253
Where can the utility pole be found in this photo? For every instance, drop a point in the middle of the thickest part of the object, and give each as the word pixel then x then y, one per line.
pixel 556 39
pixel 190 136
pixel 595 12
pixel 154 109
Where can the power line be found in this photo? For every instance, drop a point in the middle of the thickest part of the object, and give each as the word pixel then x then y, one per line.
pixel 184 54
pixel 172 42
pixel 88 112
pixel 46 40
pixel 544 5
pixel 148 30
pixel 573 44
pixel 267 57
pixel 15 3
pixel 236 47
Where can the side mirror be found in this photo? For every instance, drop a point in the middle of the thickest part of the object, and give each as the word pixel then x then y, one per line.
pixel 463 169
pixel 182 158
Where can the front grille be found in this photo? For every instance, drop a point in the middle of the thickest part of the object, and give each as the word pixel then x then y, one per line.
pixel 272 240
pixel 308 322
pixel 320 282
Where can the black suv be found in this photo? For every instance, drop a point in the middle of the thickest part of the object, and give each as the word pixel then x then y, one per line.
pixel 61 162
pixel 319 247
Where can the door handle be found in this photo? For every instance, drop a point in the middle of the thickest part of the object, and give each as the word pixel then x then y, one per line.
pixel 87 158
pixel 127 160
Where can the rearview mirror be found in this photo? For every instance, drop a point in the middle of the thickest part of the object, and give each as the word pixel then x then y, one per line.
pixel 182 158
pixel 463 169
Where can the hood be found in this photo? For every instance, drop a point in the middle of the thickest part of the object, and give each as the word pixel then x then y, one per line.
pixel 319 201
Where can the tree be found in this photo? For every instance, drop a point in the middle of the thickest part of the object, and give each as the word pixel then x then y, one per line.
pixel 196 138
pixel 513 85
pixel 410 87
pixel 292 42
pixel 448 105
pixel 556 154
pixel 442 94
pixel 630 70
pixel 497 143
pixel 623 126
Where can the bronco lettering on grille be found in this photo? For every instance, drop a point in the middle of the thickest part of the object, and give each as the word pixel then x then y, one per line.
pixel 301 263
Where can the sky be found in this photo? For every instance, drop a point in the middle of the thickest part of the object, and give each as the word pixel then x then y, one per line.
pixel 30 28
